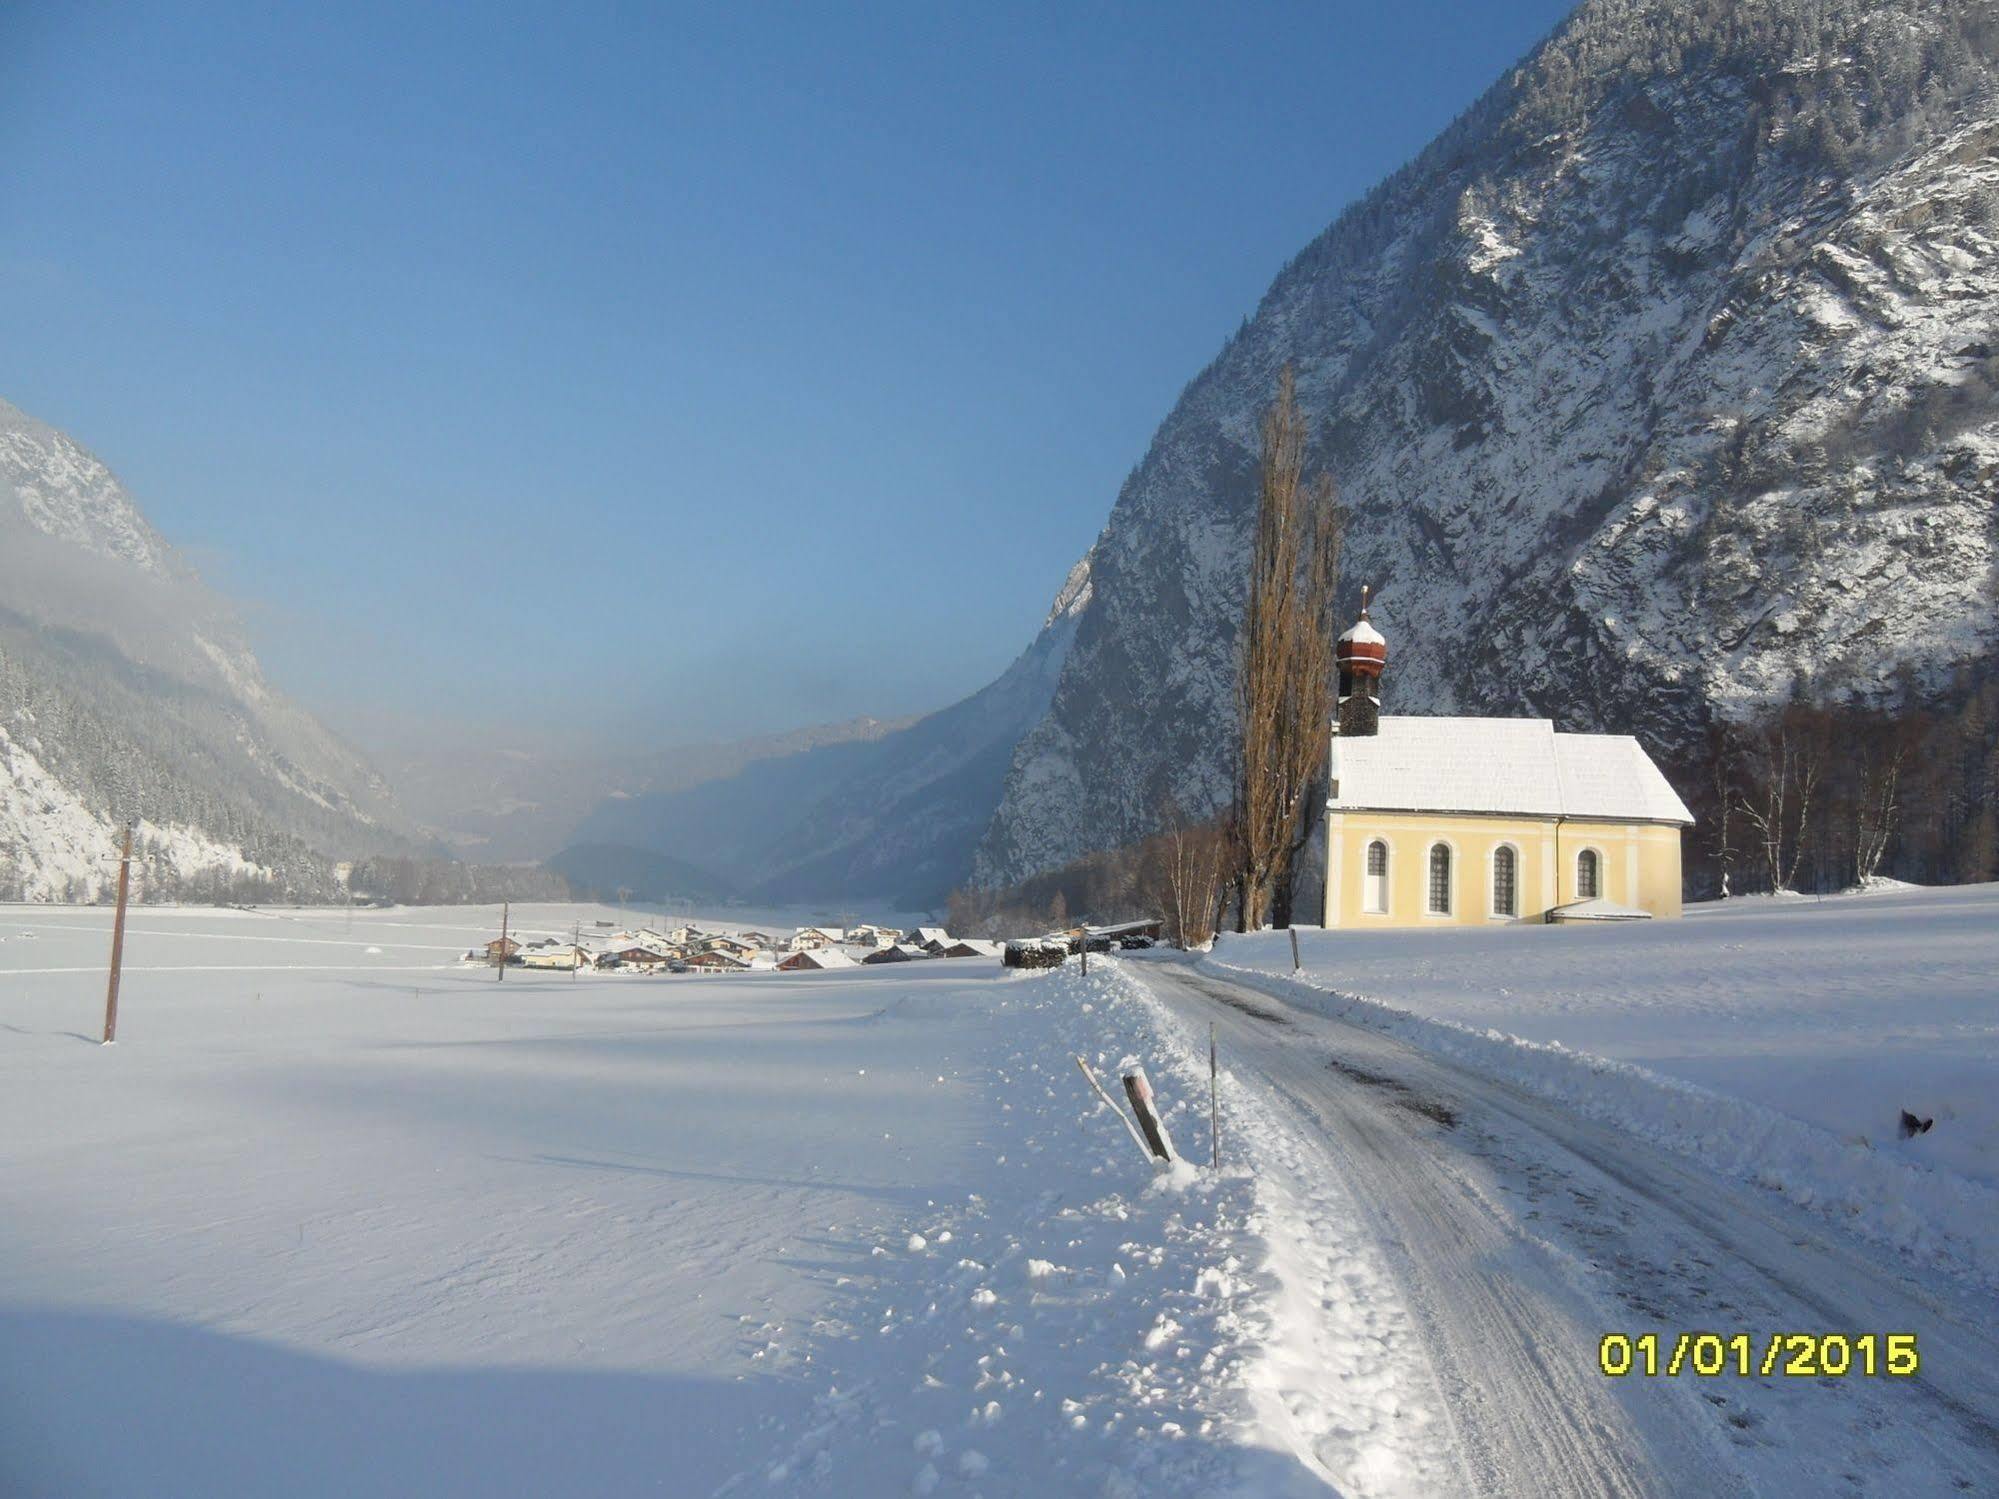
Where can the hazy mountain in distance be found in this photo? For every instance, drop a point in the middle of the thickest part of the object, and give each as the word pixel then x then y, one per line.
pixel 614 874
pixel 509 805
pixel 892 817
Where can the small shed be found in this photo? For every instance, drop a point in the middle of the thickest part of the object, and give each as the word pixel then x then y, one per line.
pixel 565 957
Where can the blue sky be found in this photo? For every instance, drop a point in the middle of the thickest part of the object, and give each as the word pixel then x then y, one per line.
pixel 732 368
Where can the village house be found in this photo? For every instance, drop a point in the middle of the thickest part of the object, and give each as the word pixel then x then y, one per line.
pixel 902 952
pixel 499 945
pixel 1471 821
pixel 971 947
pixel 716 961
pixel 808 937
pixel 932 937
pixel 637 955
pixel 736 947
pixel 867 935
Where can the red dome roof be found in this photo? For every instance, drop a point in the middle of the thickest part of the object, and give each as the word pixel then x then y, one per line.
pixel 1363 648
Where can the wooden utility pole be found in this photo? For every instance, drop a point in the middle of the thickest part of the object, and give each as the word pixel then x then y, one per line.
pixel 575 949
pixel 118 940
pixel 503 943
pixel 1296 964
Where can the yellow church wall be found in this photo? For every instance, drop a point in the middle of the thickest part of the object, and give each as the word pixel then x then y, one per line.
pixel 1639 865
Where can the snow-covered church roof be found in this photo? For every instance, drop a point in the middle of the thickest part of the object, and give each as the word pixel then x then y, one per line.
pixel 1512 766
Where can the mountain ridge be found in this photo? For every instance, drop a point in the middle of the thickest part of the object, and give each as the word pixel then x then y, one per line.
pixel 128 692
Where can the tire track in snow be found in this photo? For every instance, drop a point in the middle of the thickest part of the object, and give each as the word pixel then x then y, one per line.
pixel 1588 1231
pixel 1483 1317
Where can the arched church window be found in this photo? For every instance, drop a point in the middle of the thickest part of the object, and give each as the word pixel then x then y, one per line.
pixel 1440 879
pixel 1505 881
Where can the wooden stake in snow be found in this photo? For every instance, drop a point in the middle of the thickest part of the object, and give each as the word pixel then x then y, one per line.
pixel 1130 1128
pixel 503 943
pixel 118 940
pixel 1295 963
pixel 1214 1105
pixel 1138 1088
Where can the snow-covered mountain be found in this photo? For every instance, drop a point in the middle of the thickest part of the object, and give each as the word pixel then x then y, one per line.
pixel 1662 383
pixel 894 817
pixel 128 691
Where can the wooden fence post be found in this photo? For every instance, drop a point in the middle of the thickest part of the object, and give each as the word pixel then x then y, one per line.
pixel 118 940
pixel 1214 1105
pixel 1295 963
pixel 1130 1128
pixel 1138 1088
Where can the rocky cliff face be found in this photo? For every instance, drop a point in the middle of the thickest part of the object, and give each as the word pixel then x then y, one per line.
pixel 1660 386
pixel 128 691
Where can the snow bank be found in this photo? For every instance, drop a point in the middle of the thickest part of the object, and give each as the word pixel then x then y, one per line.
pixel 1086 1323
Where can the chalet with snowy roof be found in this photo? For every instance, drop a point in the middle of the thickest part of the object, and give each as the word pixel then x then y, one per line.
pixel 637 955
pixel 902 952
pixel 816 960
pixel 717 961
pixel 1470 821
pixel 808 937
pixel 971 947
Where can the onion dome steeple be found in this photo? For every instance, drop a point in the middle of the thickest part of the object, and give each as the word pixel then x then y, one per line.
pixel 1361 654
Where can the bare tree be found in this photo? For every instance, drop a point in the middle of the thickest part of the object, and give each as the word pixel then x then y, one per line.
pixel 1185 870
pixel 1782 770
pixel 1285 660
pixel 1723 755
pixel 1876 808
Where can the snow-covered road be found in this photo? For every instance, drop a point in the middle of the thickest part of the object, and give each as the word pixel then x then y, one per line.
pixel 1519 1235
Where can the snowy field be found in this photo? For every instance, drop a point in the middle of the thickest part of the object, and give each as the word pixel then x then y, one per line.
pixel 1805 1027
pixel 340 1215
pixel 337 1215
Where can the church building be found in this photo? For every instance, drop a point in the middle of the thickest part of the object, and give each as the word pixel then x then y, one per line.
pixel 1474 821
